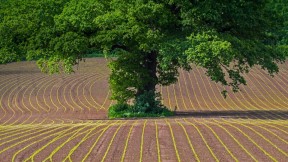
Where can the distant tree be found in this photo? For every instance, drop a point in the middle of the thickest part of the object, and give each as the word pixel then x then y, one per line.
pixel 281 7
pixel 153 38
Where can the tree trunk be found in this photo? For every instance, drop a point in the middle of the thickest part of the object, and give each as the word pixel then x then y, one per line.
pixel 149 63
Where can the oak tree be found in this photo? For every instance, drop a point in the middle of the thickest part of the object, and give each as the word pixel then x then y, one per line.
pixel 152 38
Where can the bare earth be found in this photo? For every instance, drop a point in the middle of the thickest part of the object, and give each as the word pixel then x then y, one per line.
pixel 64 118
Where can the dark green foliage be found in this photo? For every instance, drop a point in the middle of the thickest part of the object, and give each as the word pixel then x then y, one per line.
pixel 146 105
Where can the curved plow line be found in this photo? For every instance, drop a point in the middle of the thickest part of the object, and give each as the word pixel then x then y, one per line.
pixel 249 96
pixel 68 157
pixel 190 80
pixel 239 144
pixel 3 82
pixel 189 141
pixel 206 144
pixel 142 141
pixel 57 96
pixel 219 139
pixel 16 133
pixel 175 96
pixel 220 103
pixel 90 94
pixel 94 144
pixel 270 91
pixel 174 143
pixel 208 92
pixel 32 105
pixel 248 103
pixel 64 143
pixel 57 138
pixel 275 80
pixel 51 82
pixel 281 123
pixel 193 92
pixel 263 137
pixel 277 128
pixel 251 99
pixel 157 142
pixel 273 134
pixel 250 139
pixel 199 90
pixel 264 96
pixel 37 94
pixel 3 94
pixel 240 102
pixel 234 103
pixel 9 97
pixel 284 81
pixel 23 103
pixel 57 135
pixel 181 94
pixel 186 87
pixel 70 92
pixel 16 104
pixel 64 94
pixel 169 101
pixel 50 95
pixel 114 135
pixel 268 101
pixel 79 79
pixel 106 98
pixel 26 135
pixel 38 135
pixel 47 84
pixel 77 92
pixel 127 140
pixel 90 88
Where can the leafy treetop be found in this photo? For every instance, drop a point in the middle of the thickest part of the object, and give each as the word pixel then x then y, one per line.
pixel 153 38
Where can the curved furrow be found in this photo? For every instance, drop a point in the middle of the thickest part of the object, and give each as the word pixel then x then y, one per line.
pixel 220 96
pixel 96 106
pixel 244 153
pixel 11 96
pixel 3 86
pixel 87 156
pixel 193 149
pixel 275 97
pixel 17 101
pixel 221 146
pixel 81 84
pixel 212 152
pixel 262 137
pixel 200 91
pixel 187 91
pixel 253 143
pixel 202 84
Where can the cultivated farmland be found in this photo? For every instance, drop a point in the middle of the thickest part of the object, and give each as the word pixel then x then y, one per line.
pixel 63 118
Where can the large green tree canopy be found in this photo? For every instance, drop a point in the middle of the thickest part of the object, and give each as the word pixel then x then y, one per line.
pixel 153 38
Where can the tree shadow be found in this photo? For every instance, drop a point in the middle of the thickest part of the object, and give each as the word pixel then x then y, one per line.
pixel 247 114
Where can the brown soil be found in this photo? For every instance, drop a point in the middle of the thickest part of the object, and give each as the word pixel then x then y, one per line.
pixel 66 115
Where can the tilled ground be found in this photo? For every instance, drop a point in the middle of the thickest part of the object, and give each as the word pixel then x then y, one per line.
pixel 64 117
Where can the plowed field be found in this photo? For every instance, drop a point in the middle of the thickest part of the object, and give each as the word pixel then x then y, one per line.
pixel 63 117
